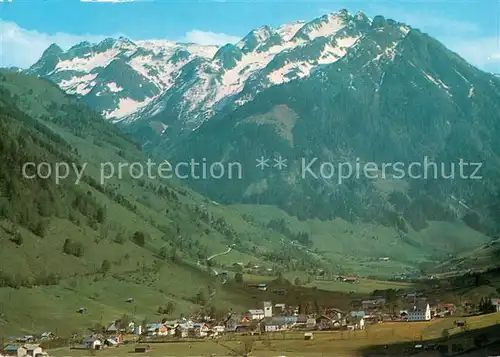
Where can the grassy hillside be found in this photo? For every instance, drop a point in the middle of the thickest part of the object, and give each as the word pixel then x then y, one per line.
pixel 65 245
pixel 479 258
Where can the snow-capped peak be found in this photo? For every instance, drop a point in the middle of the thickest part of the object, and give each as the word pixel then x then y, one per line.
pixel 131 79
pixel 325 25
pixel 264 57
pixel 118 76
pixel 287 31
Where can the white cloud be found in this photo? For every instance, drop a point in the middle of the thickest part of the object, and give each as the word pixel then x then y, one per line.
pixel 21 47
pixel 209 38
pixel 483 52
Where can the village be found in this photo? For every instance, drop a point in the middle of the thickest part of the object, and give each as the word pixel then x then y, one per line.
pixel 267 318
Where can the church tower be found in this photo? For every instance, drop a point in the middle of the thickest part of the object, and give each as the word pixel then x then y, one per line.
pixel 268 309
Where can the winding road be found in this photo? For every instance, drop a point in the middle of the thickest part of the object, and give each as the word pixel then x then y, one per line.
pixel 219 254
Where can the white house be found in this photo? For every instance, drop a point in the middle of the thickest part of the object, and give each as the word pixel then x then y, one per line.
pixel 138 330
pixel 310 322
pixel 496 303
pixel 47 336
pixel 275 328
pixel 157 329
pixel 171 329
pixel 257 314
pixel 418 312
pixel 111 342
pixel 218 330
pixel 182 330
pixel 92 343
pixel 32 350
pixel 280 306
pixel 201 330
pixel 275 324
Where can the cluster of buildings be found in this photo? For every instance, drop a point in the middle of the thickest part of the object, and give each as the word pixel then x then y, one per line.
pixel 279 318
pixel 99 341
pixel 24 350
pixel 409 307
pixel 270 318
pixel 27 346
pixel 422 310
pixel 267 319
pixel 114 335
pixel 184 329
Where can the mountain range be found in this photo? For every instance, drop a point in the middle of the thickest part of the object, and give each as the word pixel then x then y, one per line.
pixel 117 76
pixel 128 80
pixel 341 88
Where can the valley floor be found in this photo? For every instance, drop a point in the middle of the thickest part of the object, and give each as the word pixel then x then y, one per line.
pixel 292 344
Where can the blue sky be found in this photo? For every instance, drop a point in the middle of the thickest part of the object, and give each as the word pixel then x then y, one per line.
pixel 471 28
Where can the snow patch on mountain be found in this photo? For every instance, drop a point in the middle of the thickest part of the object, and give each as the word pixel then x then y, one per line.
pixel 126 106
pixel 113 87
pixel 404 29
pixel 168 47
pixel 79 85
pixel 118 76
pixel 437 82
pixel 232 81
pixel 257 65
pixel 462 76
pixel 325 26
pixel 287 31
pixel 157 71
pixel 471 92
pixel 330 54
pixel 88 62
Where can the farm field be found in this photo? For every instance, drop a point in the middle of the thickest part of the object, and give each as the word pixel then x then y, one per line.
pixel 365 286
pixel 289 344
pixel 473 323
